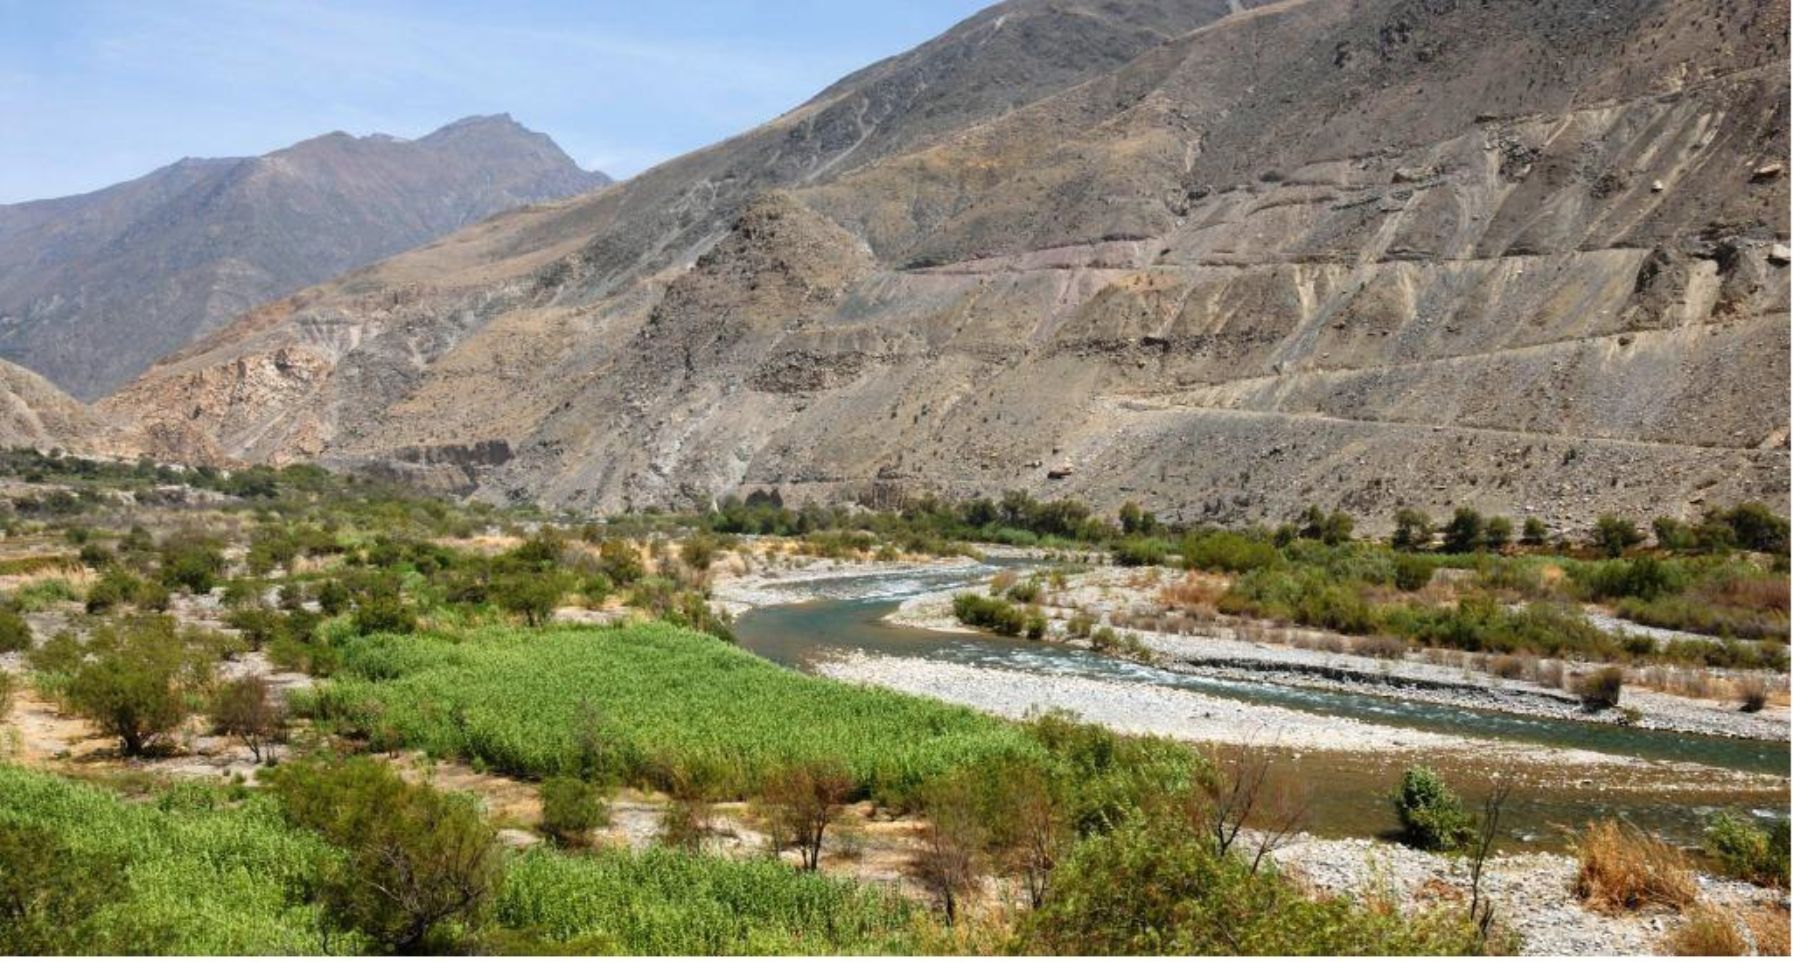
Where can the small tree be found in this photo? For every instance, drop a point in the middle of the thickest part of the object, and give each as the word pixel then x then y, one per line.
pixel 1615 535
pixel 1412 530
pixel 1431 816
pixel 1535 533
pixel 531 595
pixel 1497 534
pixel 1463 532
pixel 1246 791
pixel 801 801
pixel 135 688
pixel 572 809
pixel 948 860
pixel 245 710
pixel 417 860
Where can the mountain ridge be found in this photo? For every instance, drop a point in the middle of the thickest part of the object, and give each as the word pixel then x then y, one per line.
pixel 148 264
pixel 1249 267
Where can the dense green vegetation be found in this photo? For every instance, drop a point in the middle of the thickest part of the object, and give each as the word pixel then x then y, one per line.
pixel 671 902
pixel 641 704
pixel 1749 851
pixel 194 873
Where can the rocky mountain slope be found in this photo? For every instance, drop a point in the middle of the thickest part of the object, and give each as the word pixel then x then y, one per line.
pixel 35 414
pixel 144 267
pixel 1226 261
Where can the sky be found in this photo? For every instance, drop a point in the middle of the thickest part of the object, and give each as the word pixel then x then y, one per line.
pixel 93 92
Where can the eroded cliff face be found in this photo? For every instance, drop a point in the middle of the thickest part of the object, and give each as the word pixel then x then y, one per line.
pixel 1521 255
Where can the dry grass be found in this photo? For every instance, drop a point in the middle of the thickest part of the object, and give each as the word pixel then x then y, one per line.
pixel 1708 930
pixel 1772 927
pixel 1191 592
pixel 1623 869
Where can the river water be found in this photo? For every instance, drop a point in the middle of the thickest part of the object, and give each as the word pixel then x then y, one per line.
pixel 1346 790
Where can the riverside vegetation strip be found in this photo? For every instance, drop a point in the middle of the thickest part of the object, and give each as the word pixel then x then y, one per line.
pixel 409 622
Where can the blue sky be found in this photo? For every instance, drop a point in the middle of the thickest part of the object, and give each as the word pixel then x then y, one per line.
pixel 92 93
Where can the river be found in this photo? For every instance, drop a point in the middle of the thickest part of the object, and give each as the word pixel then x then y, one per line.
pixel 1347 790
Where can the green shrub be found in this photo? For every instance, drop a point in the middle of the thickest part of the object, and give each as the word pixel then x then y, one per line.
pixel 1142 552
pixel 1412 572
pixel 992 614
pixel 1615 535
pixel 15 631
pixel 572 809
pixel 1748 851
pixel 1431 816
pixel 1228 551
pixel 422 867
pixel 1153 887
pixel 136 681
pixel 1412 530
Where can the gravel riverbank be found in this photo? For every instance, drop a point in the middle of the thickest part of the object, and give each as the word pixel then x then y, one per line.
pixel 1222 654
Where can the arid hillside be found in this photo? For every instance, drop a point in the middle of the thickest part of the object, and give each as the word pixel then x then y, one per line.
pixel 1226 260
pixel 94 288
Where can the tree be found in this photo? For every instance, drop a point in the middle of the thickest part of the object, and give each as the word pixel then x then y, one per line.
pixel 135 687
pixel 1332 529
pixel 244 709
pixel 1462 533
pixel 1615 535
pixel 621 562
pixel 1536 532
pixel 1412 530
pixel 1673 535
pixel 1755 528
pixel 1247 792
pixel 532 595
pixel 572 809
pixel 800 801
pixel 1497 534
pixel 1481 845
pixel 418 861
pixel 948 860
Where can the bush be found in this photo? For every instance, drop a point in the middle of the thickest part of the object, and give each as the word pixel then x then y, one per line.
pixel 1708 931
pixel 1749 852
pixel 1412 530
pixel 1464 531
pixel 51 896
pixel 1615 535
pixel 1600 689
pixel 1153 887
pixel 531 595
pixel 1535 532
pixel 1431 816
pixel 15 631
pixel 1412 572
pixel 1142 552
pixel 1228 551
pixel 992 614
pixel 421 866
pixel 572 809
pixel 1621 868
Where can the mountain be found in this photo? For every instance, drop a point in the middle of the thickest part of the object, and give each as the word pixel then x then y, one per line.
pixel 144 267
pixel 35 414
pixel 1225 260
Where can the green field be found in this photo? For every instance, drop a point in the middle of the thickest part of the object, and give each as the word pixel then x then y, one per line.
pixel 208 875
pixel 202 878
pixel 654 699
